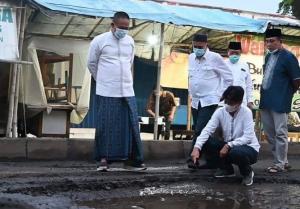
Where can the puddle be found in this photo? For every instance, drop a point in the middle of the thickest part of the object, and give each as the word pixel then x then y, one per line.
pixel 169 202
pixel 193 196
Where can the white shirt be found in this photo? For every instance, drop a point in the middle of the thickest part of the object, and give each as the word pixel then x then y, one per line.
pixel 209 76
pixel 237 130
pixel 110 62
pixel 242 77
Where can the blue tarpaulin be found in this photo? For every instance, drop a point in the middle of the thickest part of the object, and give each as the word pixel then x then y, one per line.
pixel 149 10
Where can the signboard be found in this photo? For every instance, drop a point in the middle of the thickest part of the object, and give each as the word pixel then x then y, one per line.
pixel 175 66
pixel 8 33
pixel 174 72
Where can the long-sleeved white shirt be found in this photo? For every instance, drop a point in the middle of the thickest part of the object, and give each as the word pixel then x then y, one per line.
pixel 110 62
pixel 209 76
pixel 242 77
pixel 237 130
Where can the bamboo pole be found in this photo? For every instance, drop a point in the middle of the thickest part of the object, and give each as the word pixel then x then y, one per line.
pixel 70 79
pixel 161 47
pixel 16 62
pixel 189 114
pixel 19 68
pixel 12 92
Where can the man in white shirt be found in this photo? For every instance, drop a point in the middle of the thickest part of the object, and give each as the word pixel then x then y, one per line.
pixel 240 71
pixel 240 145
pixel 117 133
pixel 209 76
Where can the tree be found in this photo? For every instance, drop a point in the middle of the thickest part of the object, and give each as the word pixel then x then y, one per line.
pixel 290 7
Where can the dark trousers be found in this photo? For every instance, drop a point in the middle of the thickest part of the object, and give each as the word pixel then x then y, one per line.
pixel 166 133
pixel 242 156
pixel 201 116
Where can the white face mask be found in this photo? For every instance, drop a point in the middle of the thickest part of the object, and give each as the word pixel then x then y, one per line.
pixel 120 33
pixel 231 108
pixel 272 52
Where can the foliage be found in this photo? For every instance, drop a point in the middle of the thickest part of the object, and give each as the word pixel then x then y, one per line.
pixel 290 7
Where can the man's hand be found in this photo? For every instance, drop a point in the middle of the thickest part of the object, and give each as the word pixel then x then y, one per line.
pixel 151 113
pixel 171 117
pixel 250 105
pixel 195 154
pixel 224 151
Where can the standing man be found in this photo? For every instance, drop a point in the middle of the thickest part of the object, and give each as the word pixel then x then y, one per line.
pixel 240 71
pixel 117 133
pixel 209 76
pixel 167 108
pixel 280 81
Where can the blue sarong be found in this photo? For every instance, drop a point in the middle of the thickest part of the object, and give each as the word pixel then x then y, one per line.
pixel 117 130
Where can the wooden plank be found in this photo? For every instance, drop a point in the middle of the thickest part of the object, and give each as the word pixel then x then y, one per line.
pixel 95 27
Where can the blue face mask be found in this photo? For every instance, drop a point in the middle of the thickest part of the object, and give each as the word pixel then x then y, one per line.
pixel 199 52
pixel 120 33
pixel 234 58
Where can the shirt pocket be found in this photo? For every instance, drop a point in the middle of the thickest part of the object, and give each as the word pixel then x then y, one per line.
pixel 208 73
pixel 241 80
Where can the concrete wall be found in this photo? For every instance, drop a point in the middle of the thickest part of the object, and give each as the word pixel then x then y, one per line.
pixel 82 149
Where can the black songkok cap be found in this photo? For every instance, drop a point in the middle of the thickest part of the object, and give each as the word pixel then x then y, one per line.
pixel 235 45
pixel 200 38
pixel 273 33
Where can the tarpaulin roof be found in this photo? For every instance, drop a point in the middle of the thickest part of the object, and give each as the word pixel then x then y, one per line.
pixel 149 10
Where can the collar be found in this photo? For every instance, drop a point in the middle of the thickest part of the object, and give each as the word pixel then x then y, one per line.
pixel 112 34
pixel 236 112
pixel 277 52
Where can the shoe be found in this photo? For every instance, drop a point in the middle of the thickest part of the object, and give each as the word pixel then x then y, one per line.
pixel 222 173
pixel 191 164
pixel 132 166
pixel 103 166
pixel 248 180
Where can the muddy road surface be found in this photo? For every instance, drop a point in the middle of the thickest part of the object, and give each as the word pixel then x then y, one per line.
pixel 164 185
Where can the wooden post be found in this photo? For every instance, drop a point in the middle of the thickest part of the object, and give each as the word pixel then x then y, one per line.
pixel 189 114
pixel 69 96
pixel 161 47
pixel 11 101
pixel 19 68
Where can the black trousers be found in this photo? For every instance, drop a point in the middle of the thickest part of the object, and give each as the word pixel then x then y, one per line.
pixel 201 116
pixel 242 156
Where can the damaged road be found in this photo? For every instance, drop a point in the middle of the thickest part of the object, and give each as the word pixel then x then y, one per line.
pixel 69 184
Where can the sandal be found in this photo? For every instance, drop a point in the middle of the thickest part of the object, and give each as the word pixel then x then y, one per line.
pixel 287 167
pixel 275 169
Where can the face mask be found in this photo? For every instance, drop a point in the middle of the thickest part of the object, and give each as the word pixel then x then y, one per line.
pixel 234 58
pixel 120 33
pixel 199 52
pixel 231 108
pixel 272 52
